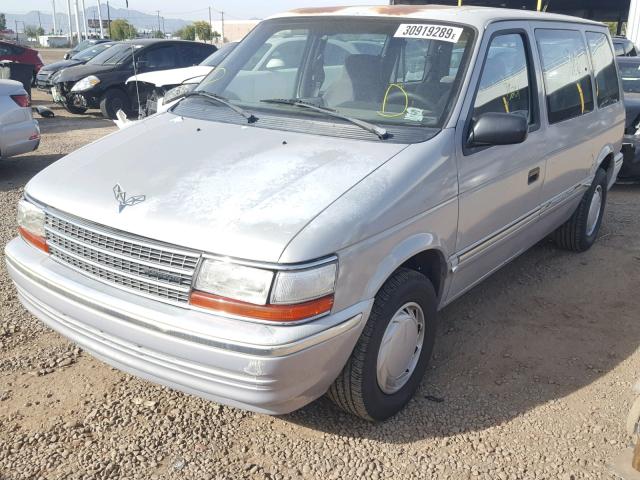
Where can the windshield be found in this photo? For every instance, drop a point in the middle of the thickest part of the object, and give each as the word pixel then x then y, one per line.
pixel 630 73
pixel 91 52
pixel 82 45
pixel 118 53
pixel 385 71
pixel 216 57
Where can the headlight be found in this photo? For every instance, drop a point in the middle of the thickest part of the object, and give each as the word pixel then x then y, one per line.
pixel 31 224
pixel 262 294
pixel 235 281
pixel 87 83
pixel 177 92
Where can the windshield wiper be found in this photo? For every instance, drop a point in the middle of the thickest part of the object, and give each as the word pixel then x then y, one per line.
pixel 381 133
pixel 251 118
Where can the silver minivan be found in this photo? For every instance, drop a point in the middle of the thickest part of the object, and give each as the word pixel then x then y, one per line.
pixel 291 227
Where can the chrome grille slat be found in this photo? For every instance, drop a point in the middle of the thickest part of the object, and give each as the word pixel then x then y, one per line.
pixel 153 270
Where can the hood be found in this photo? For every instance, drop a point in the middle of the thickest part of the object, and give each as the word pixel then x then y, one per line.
pixel 175 76
pixel 227 189
pixel 73 74
pixel 54 67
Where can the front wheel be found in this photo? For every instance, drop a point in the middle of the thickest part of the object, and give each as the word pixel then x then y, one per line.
pixel 580 231
pixel 391 356
pixel 112 101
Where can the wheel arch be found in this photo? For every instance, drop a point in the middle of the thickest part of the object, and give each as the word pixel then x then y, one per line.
pixel 423 253
pixel 606 161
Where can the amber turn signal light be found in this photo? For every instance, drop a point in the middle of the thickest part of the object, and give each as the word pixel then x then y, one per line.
pixel 274 313
pixel 35 240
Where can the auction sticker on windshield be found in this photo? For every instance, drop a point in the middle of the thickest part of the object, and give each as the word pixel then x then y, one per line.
pixel 423 31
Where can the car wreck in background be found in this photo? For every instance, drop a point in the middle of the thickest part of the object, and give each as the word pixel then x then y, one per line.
pixel 100 83
pixel 159 89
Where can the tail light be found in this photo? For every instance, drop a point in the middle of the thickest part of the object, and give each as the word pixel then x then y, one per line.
pixel 22 100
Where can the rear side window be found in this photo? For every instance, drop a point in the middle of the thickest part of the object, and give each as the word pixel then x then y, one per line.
pixel 504 85
pixel 567 77
pixel 607 87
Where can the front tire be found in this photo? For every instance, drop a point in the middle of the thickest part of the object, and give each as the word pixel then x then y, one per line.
pixel 112 101
pixel 73 109
pixel 393 351
pixel 579 233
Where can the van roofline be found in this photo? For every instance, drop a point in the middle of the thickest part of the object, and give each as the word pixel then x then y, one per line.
pixel 475 16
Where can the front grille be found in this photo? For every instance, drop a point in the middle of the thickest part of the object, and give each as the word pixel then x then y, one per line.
pixel 151 269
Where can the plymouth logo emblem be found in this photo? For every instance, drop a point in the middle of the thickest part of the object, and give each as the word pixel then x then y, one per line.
pixel 124 201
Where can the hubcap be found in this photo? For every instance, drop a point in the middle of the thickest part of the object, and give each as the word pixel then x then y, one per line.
pixel 594 210
pixel 400 348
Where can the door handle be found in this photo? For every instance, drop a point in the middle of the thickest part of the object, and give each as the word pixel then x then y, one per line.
pixel 534 175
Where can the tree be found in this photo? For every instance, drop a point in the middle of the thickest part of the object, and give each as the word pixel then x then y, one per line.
pixel 3 22
pixel 187 33
pixel 40 31
pixel 200 30
pixel 31 31
pixel 203 30
pixel 121 30
pixel 157 34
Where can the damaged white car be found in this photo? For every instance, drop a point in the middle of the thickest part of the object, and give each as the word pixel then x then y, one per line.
pixel 158 90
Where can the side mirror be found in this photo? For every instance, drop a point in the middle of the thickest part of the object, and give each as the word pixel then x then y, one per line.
pixel 274 64
pixel 495 128
pixel 67 56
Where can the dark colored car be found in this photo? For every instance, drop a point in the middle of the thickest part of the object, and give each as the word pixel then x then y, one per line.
pixel 624 47
pixel 629 68
pixel 100 83
pixel 20 54
pixel 43 79
pixel 83 45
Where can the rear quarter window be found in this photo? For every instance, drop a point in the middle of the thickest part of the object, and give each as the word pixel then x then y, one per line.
pixel 604 68
pixel 566 72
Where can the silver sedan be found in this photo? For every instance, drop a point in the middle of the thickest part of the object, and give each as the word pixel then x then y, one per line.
pixel 19 132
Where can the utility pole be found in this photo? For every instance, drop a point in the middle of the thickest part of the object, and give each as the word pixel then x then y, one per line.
pixel 84 19
pixel 55 23
pixel 158 13
pixel 109 19
pixel 164 32
pixel 100 19
pixel 39 27
pixel 210 25
pixel 222 25
pixel 75 4
pixel 70 25
pixel 17 38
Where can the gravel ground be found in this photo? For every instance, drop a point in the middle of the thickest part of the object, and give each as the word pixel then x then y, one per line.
pixel 531 379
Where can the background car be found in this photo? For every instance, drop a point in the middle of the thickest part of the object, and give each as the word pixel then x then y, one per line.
pixel 624 47
pixel 20 54
pixel 83 45
pixel 100 83
pixel 43 78
pixel 19 132
pixel 153 86
pixel 629 68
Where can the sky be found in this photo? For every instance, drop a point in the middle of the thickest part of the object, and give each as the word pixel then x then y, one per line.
pixel 188 9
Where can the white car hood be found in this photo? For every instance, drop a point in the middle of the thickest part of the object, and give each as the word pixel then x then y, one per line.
pixel 222 188
pixel 175 76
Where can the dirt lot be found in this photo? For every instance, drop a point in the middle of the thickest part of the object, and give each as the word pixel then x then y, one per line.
pixel 531 379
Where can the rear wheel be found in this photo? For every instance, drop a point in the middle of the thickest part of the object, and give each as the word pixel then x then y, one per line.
pixel 580 231
pixel 391 356
pixel 112 101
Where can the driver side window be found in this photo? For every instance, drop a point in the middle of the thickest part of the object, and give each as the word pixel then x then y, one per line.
pixel 505 81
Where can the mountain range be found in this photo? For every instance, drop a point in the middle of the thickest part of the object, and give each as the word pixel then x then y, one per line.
pixel 140 20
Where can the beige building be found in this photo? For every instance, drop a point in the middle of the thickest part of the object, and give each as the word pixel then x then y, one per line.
pixel 234 30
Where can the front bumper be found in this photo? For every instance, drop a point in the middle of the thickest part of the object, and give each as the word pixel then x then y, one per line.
pixel 265 368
